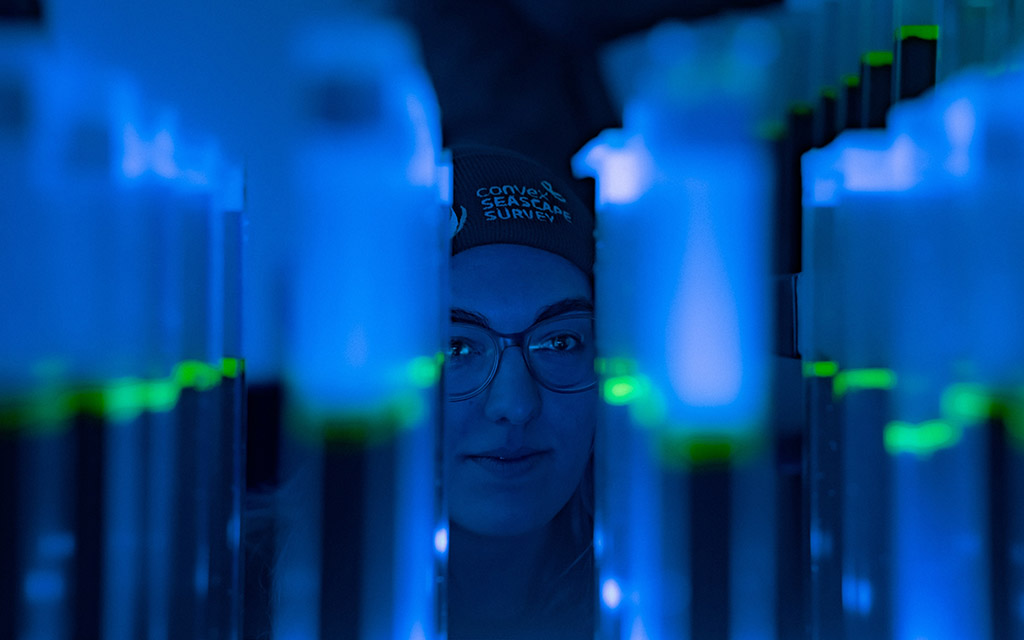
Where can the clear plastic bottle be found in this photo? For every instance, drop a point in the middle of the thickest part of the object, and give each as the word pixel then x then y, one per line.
pixel 683 484
pixel 367 326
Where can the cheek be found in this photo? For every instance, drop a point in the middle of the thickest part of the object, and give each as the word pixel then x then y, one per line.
pixel 456 416
pixel 575 416
pixel 453 429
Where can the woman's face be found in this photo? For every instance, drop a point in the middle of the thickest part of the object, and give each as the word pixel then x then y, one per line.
pixel 515 452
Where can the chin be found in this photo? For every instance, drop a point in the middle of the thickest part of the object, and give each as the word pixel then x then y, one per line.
pixel 500 522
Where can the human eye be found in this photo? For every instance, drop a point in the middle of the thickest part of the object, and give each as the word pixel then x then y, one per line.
pixel 457 348
pixel 559 342
pixel 463 348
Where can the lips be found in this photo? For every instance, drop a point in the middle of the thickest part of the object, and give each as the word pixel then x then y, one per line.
pixel 506 462
pixel 507 453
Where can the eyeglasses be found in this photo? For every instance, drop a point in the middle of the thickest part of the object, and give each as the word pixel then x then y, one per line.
pixel 559 354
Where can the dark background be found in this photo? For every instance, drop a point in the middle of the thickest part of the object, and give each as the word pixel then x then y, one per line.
pixel 524 74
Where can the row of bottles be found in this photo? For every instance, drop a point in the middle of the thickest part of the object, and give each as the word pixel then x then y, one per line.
pixel 859 483
pixel 123 392
pixel 911 278
pixel 121 380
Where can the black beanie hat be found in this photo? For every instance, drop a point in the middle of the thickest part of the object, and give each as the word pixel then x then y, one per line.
pixel 502 197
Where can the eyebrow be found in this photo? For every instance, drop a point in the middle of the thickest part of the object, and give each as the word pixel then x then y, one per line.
pixel 461 315
pixel 564 306
pixel 550 311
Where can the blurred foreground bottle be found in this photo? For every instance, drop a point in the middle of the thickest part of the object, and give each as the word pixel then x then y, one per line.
pixel 121 470
pixel 683 536
pixel 360 533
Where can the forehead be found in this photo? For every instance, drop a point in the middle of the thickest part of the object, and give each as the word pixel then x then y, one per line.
pixel 510 284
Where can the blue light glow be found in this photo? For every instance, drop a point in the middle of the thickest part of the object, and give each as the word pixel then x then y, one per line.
pixel 625 166
pixel 959 121
pixel 638 631
pixel 896 168
pixel 156 155
pixel 611 594
pixel 703 342
pixel 441 540
pixel 134 160
pixel 44 586
pixel 825 192
pixel 162 155
pixel 417 632
pixel 858 595
pixel 422 170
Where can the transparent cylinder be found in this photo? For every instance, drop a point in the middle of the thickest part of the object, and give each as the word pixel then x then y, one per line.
pixel 358 514
pixel 122 522
pixel 925 521
pixel 819 325
pixel 684 492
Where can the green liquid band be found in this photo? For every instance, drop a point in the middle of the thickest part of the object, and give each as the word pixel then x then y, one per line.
pixel 820 369
pixel 322 428
pixel 690 446
pixel 877 58
pixel 678 448
pixel 922 31
pixel 317 424
pixel 621 390
pixel 922 439
pixel 646 405
pixel 968 402
pixel 118 400
pixel 622 385
pixel 800 109
pixel 963 406
pixel 851 80
pixel 425 371
pixel 862 379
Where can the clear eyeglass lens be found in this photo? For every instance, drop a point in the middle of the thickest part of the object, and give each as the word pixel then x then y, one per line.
pixel 471 352
pixel 560 354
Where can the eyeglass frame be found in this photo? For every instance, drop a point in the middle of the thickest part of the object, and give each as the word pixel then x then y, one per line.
pixel 517 339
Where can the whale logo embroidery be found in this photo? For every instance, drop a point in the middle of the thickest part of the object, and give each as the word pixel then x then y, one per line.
pixel 456 223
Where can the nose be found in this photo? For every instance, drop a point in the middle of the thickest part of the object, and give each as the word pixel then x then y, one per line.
pixel 512 397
